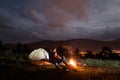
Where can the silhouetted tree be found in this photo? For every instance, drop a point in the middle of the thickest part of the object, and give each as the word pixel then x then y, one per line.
pixel 106 49
pixel 89 54
pixel 114 56
pixel 104 53
pixel 77 55
pixel 19 47
pixel 26 49
pixel 107 53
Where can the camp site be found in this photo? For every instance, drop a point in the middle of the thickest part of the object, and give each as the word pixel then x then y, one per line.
pixel 19 63
pixel 59 39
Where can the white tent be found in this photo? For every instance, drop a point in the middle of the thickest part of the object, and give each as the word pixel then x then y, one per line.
pixel 39 54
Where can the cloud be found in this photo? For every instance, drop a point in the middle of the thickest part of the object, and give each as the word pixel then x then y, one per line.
pixel 28 20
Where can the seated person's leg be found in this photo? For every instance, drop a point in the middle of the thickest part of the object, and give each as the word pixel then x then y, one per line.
pixel 64 60
pixel 57 65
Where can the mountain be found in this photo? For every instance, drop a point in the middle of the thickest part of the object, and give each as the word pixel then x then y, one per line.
pixel 82 44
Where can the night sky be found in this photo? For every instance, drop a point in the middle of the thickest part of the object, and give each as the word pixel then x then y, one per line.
pixel 35 20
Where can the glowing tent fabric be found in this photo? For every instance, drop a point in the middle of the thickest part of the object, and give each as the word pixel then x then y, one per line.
pixel 39 54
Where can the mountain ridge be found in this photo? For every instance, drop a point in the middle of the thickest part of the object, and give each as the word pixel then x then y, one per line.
pixel 82 44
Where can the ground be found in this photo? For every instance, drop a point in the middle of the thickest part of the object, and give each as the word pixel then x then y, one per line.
pixel 12 68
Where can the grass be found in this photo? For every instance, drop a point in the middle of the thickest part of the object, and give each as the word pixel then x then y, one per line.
pixel 102 63
pixel 16 67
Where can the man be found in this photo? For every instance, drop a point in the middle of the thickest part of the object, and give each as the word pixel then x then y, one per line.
pixel 57 59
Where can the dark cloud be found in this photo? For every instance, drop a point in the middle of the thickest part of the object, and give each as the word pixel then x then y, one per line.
pixel 28 20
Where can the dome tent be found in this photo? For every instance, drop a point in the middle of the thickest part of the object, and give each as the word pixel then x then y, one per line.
pixel 39 54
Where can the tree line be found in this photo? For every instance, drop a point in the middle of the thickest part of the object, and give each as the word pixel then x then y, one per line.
pixel 105 52
pixel 18 48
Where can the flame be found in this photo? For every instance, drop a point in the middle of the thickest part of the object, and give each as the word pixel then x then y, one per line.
pixel 72 62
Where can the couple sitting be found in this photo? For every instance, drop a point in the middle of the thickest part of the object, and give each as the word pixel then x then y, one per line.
pixel 56 59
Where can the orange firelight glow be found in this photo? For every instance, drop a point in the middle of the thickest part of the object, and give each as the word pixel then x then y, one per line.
pixel 72 62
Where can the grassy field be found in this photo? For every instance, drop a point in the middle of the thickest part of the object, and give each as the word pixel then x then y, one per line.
pixel 18 67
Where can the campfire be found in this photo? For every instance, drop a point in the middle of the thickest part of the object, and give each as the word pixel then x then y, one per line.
pixel 72 62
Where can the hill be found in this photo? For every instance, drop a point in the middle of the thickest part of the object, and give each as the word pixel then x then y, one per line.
pixel 82 44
